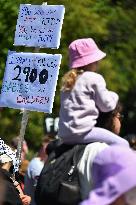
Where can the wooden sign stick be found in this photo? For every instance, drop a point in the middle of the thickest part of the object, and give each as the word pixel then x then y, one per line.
pixel 21 136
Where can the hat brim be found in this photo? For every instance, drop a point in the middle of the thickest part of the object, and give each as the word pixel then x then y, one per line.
pixel 112 188
pixel 4 158
pixel 85 60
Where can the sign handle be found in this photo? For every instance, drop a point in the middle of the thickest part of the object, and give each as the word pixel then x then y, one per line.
pixel 21 137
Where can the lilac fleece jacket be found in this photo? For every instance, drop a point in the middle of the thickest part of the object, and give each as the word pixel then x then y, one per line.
pixel 80 107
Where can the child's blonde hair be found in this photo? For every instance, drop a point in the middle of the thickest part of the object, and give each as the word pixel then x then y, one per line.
pixel 69 79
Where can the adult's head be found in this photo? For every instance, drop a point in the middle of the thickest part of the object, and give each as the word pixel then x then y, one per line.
pixel 42 153
pixel 111 120
pixel 114 181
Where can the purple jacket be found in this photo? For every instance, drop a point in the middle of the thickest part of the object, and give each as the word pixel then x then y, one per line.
pixel 80 106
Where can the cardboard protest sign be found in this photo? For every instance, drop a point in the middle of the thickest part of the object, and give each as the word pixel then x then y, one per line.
pixel 39 25
pixel 30 81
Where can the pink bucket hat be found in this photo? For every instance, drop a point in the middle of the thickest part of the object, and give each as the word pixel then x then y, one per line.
pixel 83 52
pixel 113 174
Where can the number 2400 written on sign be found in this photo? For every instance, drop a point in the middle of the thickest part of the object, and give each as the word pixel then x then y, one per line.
pixel 31 75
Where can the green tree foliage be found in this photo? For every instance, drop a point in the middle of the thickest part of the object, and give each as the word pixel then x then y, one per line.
pixel 110 22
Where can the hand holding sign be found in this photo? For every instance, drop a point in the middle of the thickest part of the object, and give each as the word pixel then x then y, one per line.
pixel 30 81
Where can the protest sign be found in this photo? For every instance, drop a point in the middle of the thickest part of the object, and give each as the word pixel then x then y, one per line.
pixel 30 81
pixel 39 25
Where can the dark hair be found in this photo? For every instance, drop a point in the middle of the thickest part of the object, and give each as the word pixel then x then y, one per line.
pixel 52 146
pixel 131 138
pixel 105 119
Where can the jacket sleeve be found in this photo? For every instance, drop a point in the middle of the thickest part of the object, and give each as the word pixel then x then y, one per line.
pixel 105 100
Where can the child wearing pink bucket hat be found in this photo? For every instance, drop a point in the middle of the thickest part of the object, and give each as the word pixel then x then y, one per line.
pixel 83 95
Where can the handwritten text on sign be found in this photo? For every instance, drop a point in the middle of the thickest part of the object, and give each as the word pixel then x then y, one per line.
pixel 39 25
pixel 30 81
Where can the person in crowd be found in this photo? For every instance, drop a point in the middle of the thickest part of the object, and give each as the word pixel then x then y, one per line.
pixel 110 121
pixel 131 138
pixel 14 144
pixel 13 193
pixel 83 95
pixel 34 169
pixel 113 174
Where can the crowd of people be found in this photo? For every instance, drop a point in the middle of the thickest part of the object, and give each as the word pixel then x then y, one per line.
pixel 90 114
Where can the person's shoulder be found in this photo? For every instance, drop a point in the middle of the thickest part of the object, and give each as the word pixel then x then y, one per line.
pixel 90 152
pixel 92 75
pixel 6 175
pixel 35 162
pixel 96 146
